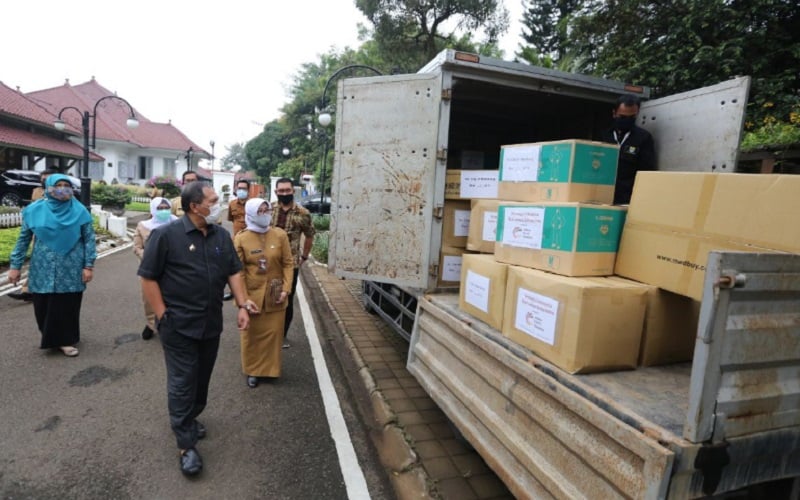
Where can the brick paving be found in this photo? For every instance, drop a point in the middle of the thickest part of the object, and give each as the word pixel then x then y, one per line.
pixel 427 460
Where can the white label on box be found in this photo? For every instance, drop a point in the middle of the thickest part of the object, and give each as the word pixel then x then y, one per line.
pixel 489 226
pixel 523 227
pixel 479 183
pixel 476 291
pixel 536 315
pixel 461 223
pixel 521 163
pixel 451 268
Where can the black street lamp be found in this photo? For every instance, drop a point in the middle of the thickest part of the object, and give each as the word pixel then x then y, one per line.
pixel 189 158
pixel 86 182
pixel 324 119
pixel 212 155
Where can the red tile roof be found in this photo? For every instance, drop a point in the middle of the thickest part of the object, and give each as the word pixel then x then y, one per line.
pixel 16 137
pixel 29 125
pixel 112 115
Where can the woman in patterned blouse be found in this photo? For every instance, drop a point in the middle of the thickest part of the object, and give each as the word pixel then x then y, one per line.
pixel 61 264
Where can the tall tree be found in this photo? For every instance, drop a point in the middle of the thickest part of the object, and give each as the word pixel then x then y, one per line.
pixel 683 44
pixel 546 29
pixel 235 156
pixel 411 32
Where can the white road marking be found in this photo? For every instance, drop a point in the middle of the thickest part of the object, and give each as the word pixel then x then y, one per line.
pixel 354 480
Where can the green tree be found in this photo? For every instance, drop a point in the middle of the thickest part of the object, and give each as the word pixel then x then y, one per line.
pixel 684 44
pixel 235 156
pixel 546 30
pixel 411 32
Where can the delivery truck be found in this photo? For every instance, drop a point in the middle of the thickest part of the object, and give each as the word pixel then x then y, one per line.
pixel 727 420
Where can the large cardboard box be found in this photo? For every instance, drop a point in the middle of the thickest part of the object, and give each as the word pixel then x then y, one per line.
pixel 670 326
pixel 572 170
pixel 675 219
pixel 449 271
pixel 572 239
pixel 455 223
pixel 483 224
pixel 483 288
pixel 470 184
pixel 579 324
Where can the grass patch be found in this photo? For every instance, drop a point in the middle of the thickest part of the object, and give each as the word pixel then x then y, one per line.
pixel 8 238
pixel 136 206
pixel 320 247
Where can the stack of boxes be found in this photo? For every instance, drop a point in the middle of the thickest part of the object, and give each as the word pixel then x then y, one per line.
pixel 549 243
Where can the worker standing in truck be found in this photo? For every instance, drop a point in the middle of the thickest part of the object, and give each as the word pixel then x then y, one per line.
pixel 636 146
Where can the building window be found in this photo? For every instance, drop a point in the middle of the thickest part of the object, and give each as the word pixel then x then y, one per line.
pixel 124 171
pixel 145 167
pixel 169 166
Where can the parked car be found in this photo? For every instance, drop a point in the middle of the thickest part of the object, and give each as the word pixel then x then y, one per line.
pixel 312 203
pixel 16 186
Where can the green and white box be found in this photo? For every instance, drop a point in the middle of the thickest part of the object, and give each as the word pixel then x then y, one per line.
pixel 571 239
pixel 571 170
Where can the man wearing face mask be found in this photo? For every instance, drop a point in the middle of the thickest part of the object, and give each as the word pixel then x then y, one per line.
pixel 184 269
pixel 236 206
pixel 636 147
pixel 296 221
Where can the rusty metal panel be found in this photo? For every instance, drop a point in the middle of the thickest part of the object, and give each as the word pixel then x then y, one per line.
pixel 680 126
pixel 746 377
pixel 384 178
pixel 543 437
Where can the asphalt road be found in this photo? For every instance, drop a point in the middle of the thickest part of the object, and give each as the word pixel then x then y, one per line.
pixel 96 426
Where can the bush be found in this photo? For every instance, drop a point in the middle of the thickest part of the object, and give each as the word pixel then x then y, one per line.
pixel 169 186
pixel 8 238
pixel 320 247
pixel 110 196
pixel 321 222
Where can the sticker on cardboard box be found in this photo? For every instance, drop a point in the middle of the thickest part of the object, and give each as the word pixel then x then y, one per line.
pixel 520 164
pixel 461 223
pixel 451 268
pixel 479 184
pixel 523 227
pixel 537 315
pixel 476 291
pixel 489 226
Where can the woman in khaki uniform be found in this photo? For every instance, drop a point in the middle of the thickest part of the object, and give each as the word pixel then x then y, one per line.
pixel 268 270
pixel 160 211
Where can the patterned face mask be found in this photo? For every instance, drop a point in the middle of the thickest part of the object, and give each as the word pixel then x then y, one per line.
pixel 61 193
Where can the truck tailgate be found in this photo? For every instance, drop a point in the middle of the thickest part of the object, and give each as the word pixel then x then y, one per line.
pixel 542 436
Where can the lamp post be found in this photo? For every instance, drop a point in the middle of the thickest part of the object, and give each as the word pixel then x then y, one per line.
pixel 189 158
pixel 59 124
pixel 212 154
pixel 325 119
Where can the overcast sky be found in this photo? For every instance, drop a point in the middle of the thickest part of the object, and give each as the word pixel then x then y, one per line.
pixel 219 73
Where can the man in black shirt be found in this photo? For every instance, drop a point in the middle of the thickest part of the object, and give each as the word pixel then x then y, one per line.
pixel 184 270
pixel 636 147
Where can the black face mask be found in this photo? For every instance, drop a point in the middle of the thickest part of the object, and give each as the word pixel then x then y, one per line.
pixel 624 123
pixel 285 199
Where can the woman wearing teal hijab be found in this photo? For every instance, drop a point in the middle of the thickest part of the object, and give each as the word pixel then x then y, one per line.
pixel 61 264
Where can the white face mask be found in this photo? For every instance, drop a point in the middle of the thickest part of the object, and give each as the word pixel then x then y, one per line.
pixel 213 215
pixel 262 220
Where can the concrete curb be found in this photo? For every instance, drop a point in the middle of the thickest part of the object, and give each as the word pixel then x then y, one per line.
pixel 408 477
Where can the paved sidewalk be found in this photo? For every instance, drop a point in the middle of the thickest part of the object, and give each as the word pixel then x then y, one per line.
pixel 413 437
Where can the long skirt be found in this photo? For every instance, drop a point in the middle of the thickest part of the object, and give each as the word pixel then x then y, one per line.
pixel 58 318
pixel 261 344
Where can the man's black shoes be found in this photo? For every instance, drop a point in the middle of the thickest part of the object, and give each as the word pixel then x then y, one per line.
pixel 201 429
pixel 227 296
pixel 26 296
pixel 147 333
pixel 252 382
pixel 191 463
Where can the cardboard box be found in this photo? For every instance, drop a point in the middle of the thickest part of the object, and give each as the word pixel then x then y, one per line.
pixel 572 170
pixel 670 327
pixel 579 324
pixel 483 288
pixel 455 223
pixel 449 271
pixel 470 184
pixel 676 218
pixel 572 239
